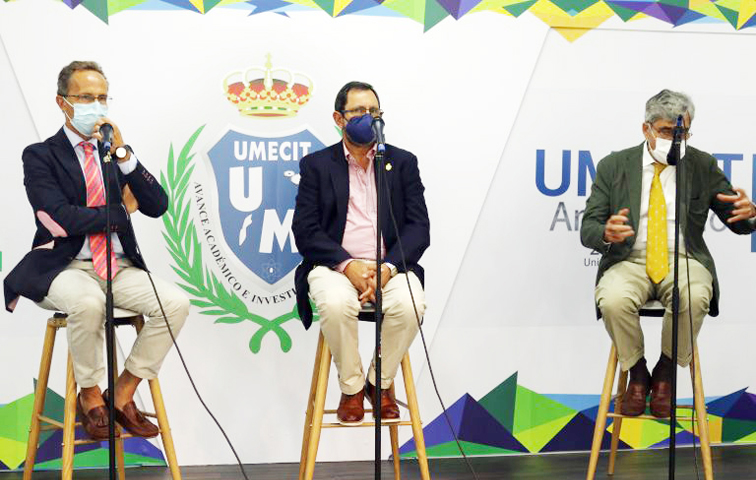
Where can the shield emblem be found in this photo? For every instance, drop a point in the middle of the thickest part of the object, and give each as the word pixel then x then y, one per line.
pixel 257 179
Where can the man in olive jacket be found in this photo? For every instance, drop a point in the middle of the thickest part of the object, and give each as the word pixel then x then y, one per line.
pixel 634 191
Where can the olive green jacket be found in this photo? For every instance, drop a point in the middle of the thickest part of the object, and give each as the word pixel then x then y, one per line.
pixel 618 185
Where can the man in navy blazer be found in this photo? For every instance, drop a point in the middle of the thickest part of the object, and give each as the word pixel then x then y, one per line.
pixel 64 271
pixel 334 228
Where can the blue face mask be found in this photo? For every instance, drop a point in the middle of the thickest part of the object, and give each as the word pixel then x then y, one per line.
pixel 359 130
pixel 86 115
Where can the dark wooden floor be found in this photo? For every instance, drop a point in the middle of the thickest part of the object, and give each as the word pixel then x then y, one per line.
pixel 730 463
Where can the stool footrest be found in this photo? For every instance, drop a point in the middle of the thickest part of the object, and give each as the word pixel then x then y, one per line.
pixel 365 424
pixel 51 423
pixel 647 417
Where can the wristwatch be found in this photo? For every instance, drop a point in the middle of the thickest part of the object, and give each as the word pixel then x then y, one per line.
pixel 122 152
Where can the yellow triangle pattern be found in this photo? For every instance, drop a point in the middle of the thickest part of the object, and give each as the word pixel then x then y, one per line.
pixel 572 28
pixel 340 5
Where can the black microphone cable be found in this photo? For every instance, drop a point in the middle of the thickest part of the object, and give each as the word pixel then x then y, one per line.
pixel 422 334
pixel 178 350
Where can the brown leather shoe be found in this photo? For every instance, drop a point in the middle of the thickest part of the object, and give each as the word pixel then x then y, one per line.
pixel 389 408
pixel 661 388
pixel 95 421
pixel 634 399
pixel 351 410
pixel 130 418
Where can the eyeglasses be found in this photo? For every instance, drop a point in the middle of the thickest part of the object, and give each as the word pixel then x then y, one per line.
pixel 86 98
pixel 360 111
pixel 669 132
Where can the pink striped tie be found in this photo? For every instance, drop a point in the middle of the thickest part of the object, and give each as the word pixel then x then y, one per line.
pixel 96 198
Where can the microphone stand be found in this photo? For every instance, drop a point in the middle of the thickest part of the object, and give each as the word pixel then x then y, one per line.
pixel 675 156
pixel 378 165
pixel 109 323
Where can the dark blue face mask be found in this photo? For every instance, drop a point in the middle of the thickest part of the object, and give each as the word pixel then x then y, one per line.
pixel 359 130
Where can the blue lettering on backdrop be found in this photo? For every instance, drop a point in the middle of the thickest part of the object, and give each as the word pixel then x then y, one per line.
pixel 585 168
pixel 257 179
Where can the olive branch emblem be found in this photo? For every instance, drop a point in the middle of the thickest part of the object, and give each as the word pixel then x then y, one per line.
pixel 186 250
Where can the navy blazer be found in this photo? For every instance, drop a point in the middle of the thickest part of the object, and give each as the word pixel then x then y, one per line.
pixel 56 189
pixel 321 211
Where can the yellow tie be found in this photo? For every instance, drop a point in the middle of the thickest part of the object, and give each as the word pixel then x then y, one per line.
pixel 657 261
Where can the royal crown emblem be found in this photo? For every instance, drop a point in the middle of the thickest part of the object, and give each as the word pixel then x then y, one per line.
pixel 264 92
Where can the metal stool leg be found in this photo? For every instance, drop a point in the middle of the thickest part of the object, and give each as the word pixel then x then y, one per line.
pixel 606 396
pixel 414 410
pixel 324 366
pixel 617 424
pixel 69 423
pixel 701 414
pixel 39 399
pixel 310 406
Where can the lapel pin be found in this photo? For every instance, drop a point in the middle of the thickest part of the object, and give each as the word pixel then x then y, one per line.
pixel 388 167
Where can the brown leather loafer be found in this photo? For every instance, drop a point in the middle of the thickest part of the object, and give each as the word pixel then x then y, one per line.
pixel 389 408
pixel 661 399
pixel 634 399
pixel 351 410
pixel 130 418
pixel 661 388
pixel 95 421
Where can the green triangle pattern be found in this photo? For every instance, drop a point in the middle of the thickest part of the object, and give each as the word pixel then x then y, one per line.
pixel 15 418
pixel 326 5
pixel 534 439
pixel 450 449
pixel 500 402
pixel 730 15
pixel 99 458
pixel 624 13
pixel 434 13
pixel 571 6
pixel 115 6
pixel 734 430
pixel 98 7
pixel 533 409
pixel 518 9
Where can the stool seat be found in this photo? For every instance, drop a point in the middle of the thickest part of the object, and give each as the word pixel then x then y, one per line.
pixel 54 323
pixel 650 309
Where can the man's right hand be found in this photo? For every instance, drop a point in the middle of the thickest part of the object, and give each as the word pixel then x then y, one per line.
pixel 617 229
pixel 360 275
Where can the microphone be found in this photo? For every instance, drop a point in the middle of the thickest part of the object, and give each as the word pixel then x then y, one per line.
pixel 378 124
pixel 106 130
pixel 674 153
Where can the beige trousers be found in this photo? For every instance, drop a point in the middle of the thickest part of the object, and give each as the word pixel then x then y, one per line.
pixel 625 287
pixel 80 292
pixel 338 306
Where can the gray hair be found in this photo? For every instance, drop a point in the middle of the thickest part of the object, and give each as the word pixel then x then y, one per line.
pixel 669 105
pixel 64 77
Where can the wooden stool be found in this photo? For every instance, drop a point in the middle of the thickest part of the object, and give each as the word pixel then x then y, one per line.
pixel 57 321
pixel 652 309
pixel 316 410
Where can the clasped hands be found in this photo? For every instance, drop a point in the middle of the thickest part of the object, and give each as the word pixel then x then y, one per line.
pixel 363 276
pixel 129 201
pixel 617 229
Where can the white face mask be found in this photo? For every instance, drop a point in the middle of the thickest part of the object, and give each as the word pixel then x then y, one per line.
pixel 86 115
pixel 663 146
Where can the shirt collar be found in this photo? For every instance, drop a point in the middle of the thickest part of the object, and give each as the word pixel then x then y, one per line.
pixel 75 139
pixel 350 158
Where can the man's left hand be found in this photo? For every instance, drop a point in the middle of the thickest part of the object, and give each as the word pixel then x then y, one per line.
pixel 743 207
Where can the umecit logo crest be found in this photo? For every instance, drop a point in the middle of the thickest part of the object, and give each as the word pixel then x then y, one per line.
pixel 236 261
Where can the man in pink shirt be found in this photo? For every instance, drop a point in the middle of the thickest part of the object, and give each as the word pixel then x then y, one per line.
pixel 335 231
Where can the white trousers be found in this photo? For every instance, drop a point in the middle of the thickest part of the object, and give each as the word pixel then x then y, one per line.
pixel 338 306
pixel 80 292
pixel 624 289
